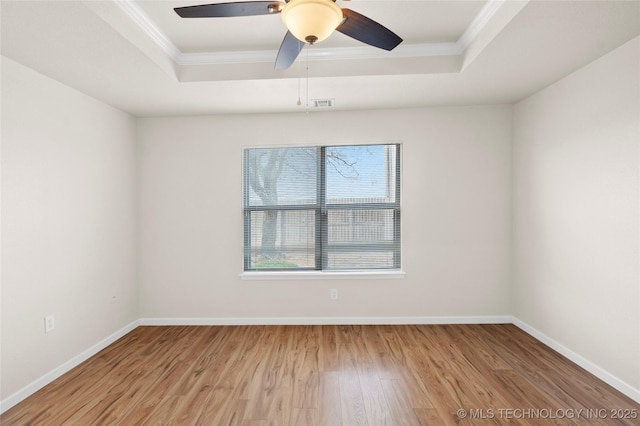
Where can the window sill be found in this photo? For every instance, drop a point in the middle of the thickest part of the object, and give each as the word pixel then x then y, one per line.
pixel 321 275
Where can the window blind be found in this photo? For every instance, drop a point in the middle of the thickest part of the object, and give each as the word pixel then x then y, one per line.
pixel 322 208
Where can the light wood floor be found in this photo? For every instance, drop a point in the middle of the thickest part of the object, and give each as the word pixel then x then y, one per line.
pixel 326 375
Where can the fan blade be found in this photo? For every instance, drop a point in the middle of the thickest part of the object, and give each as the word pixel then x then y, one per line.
pixel 368 31
pixel 224 10
pixel 289 51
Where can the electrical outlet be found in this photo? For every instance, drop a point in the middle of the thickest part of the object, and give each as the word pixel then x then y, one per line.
pixel 49 323
pixel 333 294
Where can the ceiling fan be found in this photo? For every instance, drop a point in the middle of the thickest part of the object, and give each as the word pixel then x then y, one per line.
pixel 307 22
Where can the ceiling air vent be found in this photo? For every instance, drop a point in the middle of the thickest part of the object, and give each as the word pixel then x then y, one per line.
pixel 323 103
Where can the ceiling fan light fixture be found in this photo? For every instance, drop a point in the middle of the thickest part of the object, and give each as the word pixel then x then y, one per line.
pixel 311 21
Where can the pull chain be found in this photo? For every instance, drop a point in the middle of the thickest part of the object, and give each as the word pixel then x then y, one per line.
pixel 299 78
pixel 307 102
pixel 299 103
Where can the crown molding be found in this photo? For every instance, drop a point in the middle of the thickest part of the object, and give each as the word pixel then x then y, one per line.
pixel 137 15
pixel 321 54
pixel 144 22
pixel 479 23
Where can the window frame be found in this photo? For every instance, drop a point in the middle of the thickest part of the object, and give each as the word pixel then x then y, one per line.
pixel 321 211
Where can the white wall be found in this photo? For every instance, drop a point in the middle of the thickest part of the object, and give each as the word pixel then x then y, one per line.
pixel 576 215
pixel 455 215
pixel 68 224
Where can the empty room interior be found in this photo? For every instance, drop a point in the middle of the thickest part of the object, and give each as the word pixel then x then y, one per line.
pixel 429 214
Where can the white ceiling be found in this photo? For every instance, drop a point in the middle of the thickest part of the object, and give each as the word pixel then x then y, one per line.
pixel 139 56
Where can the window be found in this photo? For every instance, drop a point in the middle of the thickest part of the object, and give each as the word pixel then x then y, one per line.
pixel 326 208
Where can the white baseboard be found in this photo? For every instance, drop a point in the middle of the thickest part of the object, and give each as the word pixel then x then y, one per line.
pixel 38 384
pixel 592 368
pixel 500 319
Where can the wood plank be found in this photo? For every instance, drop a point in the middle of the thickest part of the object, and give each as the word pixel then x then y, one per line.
pixel 401 411
pixel 330 407
pixel 305 416
pixel 329 349
pixel 352 402
pixel 375 403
